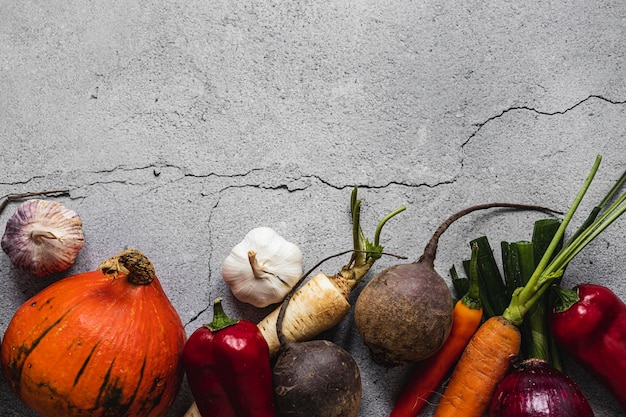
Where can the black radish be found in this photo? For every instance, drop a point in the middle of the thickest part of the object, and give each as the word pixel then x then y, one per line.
pixel 404 313
pixel 315 377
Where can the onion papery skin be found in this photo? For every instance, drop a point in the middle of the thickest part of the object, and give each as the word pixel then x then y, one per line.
pixel 536 389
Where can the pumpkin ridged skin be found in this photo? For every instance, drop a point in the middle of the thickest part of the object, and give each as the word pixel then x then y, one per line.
pixel 95 345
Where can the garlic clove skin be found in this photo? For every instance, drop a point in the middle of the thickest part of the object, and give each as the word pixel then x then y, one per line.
pixel 262 268
pixel 43 237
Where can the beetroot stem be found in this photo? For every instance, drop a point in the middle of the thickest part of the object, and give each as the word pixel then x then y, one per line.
pixel 430 251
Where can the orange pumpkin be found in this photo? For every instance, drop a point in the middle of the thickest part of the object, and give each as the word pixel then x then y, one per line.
pixel 100 343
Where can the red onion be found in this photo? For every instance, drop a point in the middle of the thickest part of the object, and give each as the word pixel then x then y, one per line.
pixel 536 389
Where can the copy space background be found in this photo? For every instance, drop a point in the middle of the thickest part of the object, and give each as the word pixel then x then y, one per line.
pixel 179 126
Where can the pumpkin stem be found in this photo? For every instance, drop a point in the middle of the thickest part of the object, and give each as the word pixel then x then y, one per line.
pixel 139 270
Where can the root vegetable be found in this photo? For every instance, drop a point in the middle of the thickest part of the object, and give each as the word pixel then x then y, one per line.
pixel 484 363
pixel 428 374
pixel 314 378
pixel 303 321
pixel 322 302
pixel 405 313
pixel 317 378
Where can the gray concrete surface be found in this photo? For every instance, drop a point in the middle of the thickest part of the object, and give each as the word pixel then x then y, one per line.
pixel 179 126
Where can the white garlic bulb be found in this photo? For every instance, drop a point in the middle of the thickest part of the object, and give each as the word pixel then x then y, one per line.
pixel 262 268
pixel 43 237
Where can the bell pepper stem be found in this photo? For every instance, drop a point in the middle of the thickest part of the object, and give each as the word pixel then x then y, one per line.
pixel 565 299
pixel 220 318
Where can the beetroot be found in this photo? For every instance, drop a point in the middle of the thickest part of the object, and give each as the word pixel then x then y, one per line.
pixel 405 312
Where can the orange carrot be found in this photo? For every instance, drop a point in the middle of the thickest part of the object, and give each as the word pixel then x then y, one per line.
pixel 429 373
pixel 484 363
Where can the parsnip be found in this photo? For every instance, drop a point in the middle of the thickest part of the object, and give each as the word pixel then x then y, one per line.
pixel 317 306
pixel 322 302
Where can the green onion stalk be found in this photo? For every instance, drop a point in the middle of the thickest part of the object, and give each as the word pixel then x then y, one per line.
pixel 552 265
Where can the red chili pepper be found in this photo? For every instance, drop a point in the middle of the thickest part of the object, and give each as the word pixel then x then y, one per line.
pixel 228 368
pixel 589 323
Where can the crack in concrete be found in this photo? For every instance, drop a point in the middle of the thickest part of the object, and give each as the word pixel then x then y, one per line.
pixel 214 174
pixel 23 182
pixel 479 126
pixel 210 250
pixel 340 187
pixel 196 316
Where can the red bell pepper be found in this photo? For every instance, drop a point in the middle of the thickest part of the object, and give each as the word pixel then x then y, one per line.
pixel 228 368
pixel 589 323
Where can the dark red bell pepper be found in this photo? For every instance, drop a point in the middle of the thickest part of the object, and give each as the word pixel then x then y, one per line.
pixel 589 323
pixel 228 368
